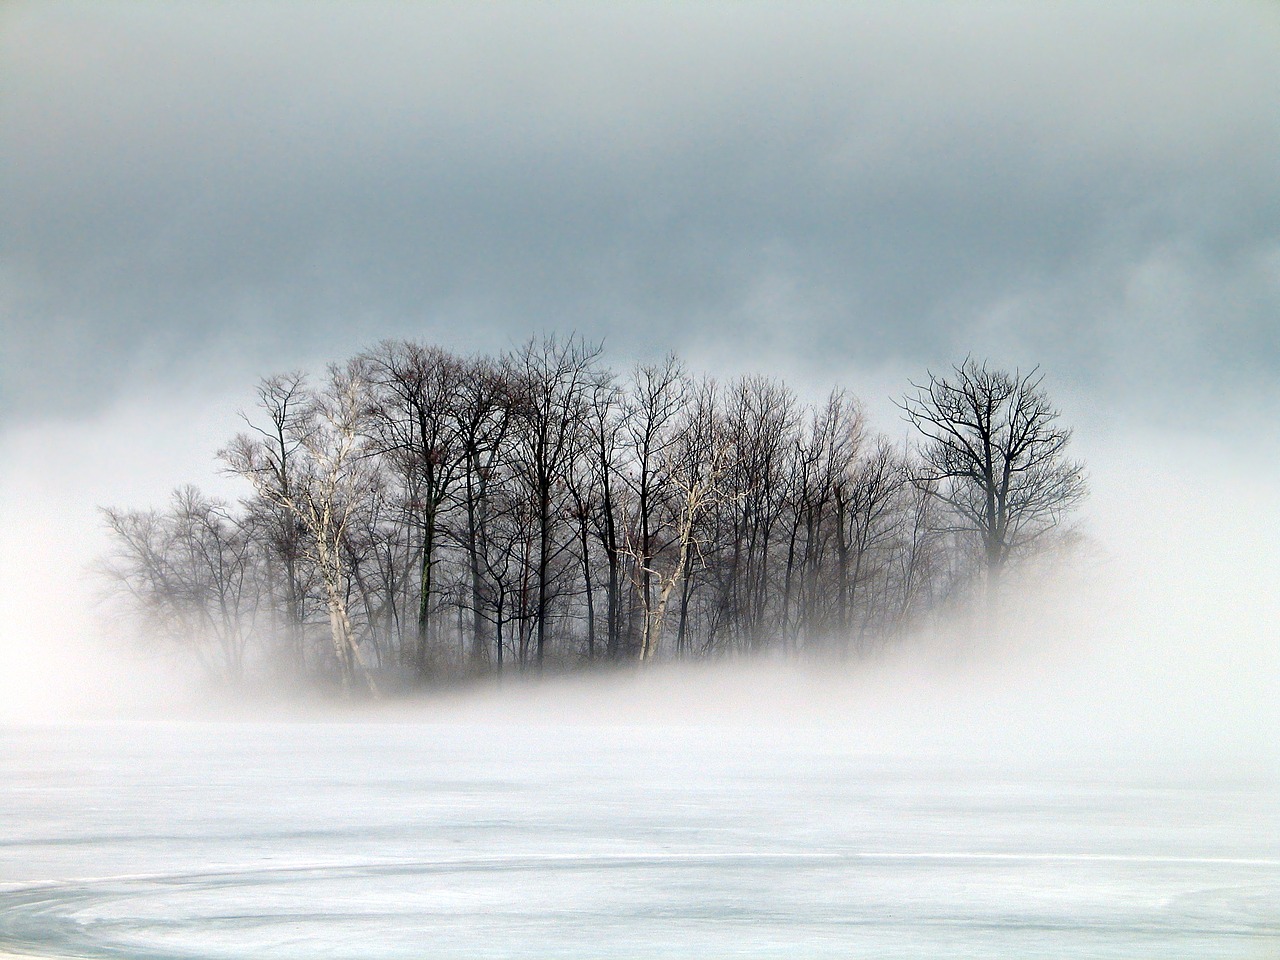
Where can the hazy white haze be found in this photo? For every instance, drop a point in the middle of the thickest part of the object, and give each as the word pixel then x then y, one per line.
pixel 197 195
pixel 1159 639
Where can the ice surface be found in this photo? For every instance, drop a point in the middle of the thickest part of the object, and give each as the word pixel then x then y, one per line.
pixel 378 840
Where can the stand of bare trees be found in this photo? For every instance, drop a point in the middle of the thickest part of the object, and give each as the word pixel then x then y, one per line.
pixel 994 454
pixel 416 515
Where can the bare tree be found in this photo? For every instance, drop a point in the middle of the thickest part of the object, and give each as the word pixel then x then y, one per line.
pixel 282 401
pixel 552 383
pixel 329 474
pixel 190 573
pixel 761 421
pixel 867 500
pixel 604 502
pixel 820 463
pixel 507 555
pixel 995 453
pixel 484 406
pixel 651 425
pixel 692 466
pixel 416 423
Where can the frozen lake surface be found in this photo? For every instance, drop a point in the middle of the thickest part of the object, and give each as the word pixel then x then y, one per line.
pixel 376 840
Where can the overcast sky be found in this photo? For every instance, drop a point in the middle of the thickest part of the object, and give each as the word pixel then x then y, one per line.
pixel 202 193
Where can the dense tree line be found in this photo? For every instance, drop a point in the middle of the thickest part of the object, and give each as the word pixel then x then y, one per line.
pixel 414 515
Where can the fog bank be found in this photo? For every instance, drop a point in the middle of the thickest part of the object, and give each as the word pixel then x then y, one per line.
pixel 1157 642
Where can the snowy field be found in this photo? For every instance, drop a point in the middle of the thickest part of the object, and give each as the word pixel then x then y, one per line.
pixel 369 840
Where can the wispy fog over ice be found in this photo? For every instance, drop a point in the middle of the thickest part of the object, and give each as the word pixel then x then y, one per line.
pixel 1099 781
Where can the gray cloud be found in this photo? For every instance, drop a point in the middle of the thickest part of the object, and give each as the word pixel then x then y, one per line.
pixel 239 188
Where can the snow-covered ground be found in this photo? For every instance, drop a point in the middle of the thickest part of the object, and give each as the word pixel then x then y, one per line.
pixel 379 839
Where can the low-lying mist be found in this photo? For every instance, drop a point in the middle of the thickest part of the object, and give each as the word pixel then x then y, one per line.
pixel 1156 641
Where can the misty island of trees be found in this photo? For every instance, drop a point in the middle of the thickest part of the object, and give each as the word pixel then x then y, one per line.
pixel 415 515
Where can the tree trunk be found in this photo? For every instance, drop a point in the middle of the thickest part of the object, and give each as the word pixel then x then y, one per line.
pixel 544 565
pixel 421 654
